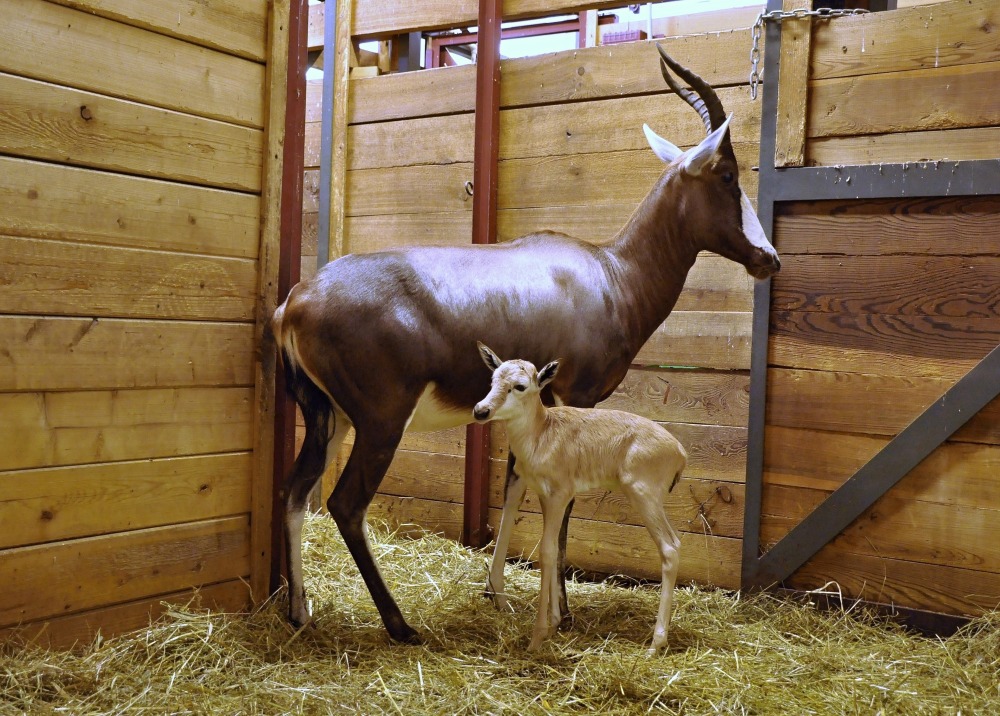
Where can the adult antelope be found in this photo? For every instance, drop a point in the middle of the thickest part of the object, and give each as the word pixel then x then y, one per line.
pixel 385 342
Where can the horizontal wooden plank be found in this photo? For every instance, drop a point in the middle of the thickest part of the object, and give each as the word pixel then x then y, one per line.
pixel 53 123
pixel 701 507
pixel 620 70
pixel 442 90
pixel 42 276
pixel 715 452
pixel 881 344
pixel 684 396
pixel 952 33
pixel 701 340
pixel 408 190
pixel 956 287
pixel 50 429
pixel 945 98
pixel 610 548
pixel 582 179
pixel 595 222
pixel 953 474
pixel 896 528
pixel 386 17
pixel 413 516
pixel 129 62
pixel 937 226
pixel 67 502
pixel 58 202
pixel 589 73
pixel 822 400
pixel 238 27
pixel 79 630
pixel 947 145
pixel 88 353
pixel 429 140
pixel 67 577
pixel 915 585
pixel 364 234
pixel 593 546
pixel 616 124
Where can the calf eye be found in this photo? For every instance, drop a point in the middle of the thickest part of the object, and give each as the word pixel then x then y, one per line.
pixel 520 388
pixel 728 177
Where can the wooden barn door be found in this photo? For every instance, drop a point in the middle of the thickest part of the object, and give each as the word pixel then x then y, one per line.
pixel 874 445
pixel 140 181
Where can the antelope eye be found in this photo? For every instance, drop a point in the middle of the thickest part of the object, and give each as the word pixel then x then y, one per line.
pixel 520 388
pixel 728 177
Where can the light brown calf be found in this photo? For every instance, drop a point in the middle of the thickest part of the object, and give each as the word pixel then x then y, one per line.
pixel 562 451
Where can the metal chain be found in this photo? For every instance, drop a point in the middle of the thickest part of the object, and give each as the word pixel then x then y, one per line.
pixel 777 16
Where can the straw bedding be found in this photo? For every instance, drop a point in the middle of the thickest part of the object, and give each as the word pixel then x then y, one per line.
pixel 728 653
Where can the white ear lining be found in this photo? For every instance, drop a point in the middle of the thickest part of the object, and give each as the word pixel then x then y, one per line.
pixel 698 157
pixel 663 149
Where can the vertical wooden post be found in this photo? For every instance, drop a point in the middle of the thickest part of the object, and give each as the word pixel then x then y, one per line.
pixel 290 258
pixel 475 530
pixel 793 89
pixel 266 299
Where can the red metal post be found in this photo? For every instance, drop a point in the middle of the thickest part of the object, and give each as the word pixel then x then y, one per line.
pixel 289 261
pixel 475 530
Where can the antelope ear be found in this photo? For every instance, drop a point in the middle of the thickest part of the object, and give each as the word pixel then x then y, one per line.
pixel 699 157
pixel 666 151
pixel 547 373
pixel 491 359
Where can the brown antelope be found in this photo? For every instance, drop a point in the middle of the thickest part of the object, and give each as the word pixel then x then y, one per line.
pixel 384 342
pixel 563 451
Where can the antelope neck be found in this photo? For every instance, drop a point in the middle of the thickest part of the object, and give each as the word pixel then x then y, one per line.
pixel 651 257
pixel 524 427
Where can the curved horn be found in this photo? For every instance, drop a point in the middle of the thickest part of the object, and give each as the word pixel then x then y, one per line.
pixel 706 102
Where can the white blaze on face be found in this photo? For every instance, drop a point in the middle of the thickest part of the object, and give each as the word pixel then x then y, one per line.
pixel 752 228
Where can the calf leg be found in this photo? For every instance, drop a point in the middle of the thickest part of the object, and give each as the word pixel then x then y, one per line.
pixel 514 491
pixel 649 504
pixel 373 451
pixel 561 566
pixel 547 618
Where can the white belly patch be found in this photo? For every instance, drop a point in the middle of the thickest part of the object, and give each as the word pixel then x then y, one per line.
pixel 430 414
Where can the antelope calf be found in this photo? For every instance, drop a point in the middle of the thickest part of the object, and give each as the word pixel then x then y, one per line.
pixel 562 451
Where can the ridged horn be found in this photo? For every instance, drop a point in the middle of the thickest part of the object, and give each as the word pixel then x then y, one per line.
pixel 706 102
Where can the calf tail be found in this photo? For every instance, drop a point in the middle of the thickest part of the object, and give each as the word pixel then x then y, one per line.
pixel 674 482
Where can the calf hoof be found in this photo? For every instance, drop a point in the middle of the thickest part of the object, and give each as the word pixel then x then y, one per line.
pixel 566 621
pixel 300 621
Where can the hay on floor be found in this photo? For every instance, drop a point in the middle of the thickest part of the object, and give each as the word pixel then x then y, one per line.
pixel 728 653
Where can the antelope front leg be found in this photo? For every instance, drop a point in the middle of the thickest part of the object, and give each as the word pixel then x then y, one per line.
pixel 547 618
pixel 513 496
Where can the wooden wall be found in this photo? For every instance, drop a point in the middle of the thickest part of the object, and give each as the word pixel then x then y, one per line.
pixel 881 305
pixel 133 192
pixel 572 158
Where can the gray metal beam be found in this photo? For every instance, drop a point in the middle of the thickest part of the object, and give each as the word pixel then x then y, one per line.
pixel 904 452
pixel 766 198
pixel 326 133
pixel 876 181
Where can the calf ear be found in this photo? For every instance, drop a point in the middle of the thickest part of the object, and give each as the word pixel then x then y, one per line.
pixel 547 373
pixel 491 359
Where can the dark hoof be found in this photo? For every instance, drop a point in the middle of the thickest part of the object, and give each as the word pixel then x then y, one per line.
pixel 408 635
pixel 566 622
